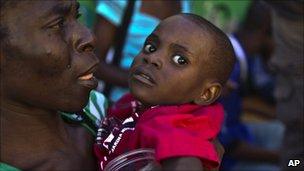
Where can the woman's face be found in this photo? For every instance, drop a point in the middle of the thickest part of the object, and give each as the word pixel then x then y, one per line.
pixel 47 59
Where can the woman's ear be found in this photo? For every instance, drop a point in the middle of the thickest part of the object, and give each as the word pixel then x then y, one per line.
pixel 210 93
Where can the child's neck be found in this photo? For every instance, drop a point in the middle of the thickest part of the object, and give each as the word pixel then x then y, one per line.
pixel 142 106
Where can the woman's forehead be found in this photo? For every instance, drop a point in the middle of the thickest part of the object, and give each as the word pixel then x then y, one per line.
pixel 34 13
pixel 39 8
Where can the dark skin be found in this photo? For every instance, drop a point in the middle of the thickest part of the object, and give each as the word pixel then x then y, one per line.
pixel 174 64
pixel 105 33
pixel 46 66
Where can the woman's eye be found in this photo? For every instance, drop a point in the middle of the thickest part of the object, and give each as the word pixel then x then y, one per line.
pixel 180 60
pixel 59 24
pixel 149 48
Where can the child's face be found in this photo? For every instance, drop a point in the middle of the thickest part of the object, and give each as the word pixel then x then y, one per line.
pixel 170 67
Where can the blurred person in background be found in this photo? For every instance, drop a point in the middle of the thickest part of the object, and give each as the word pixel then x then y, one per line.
pixel 225 14
pixel 87 11
pixel 249 145
pixel 121 29
pixel 287 63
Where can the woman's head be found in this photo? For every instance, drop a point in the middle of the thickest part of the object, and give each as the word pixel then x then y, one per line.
pixel 47 57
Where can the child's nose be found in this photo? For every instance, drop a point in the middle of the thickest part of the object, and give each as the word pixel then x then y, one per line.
pixel 153 60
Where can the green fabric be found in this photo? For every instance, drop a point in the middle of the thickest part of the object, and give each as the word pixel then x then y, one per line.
pixel 92 114
pixel 226 14
pixel 6 167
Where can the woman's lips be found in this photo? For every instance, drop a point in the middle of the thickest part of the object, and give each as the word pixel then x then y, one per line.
pixel 86 77
pixel 88 81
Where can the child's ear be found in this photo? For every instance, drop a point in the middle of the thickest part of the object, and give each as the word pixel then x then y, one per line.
pixel 209 94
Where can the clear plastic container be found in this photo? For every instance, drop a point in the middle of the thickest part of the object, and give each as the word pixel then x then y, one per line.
pixel 136 160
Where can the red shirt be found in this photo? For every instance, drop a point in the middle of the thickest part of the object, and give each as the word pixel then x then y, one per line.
pixel 172 131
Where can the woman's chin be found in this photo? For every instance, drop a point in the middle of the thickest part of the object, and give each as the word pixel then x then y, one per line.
pixel 75 105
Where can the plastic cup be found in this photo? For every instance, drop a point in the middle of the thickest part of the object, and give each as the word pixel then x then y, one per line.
pixel 136 160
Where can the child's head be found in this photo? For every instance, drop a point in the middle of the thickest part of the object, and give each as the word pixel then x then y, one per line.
pixel 185 59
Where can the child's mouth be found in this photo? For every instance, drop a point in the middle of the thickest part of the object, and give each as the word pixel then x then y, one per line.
pixel 143 77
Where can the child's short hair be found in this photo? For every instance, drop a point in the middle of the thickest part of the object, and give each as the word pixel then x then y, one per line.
pixel 222 57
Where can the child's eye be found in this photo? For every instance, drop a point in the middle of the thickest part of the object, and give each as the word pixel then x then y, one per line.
pixel 180 60
pixel 149 48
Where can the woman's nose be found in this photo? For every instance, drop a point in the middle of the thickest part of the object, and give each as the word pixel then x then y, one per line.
pixel 86 41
